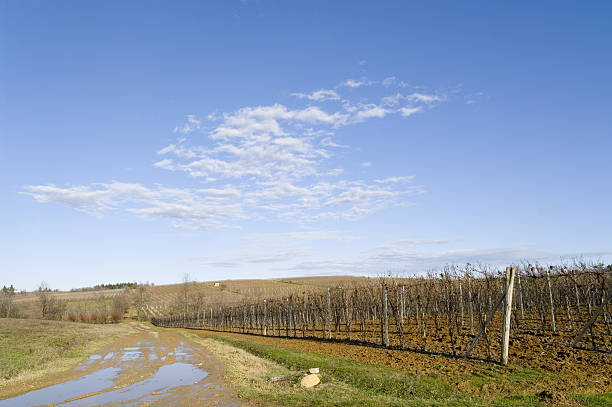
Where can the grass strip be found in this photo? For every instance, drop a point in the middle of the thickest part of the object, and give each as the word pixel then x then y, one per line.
pixel 350 383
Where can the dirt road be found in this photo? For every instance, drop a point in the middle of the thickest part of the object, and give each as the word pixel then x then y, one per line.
pixel 147 368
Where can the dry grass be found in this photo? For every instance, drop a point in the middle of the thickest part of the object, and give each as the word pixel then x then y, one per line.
pixel 248 374
pixel 33 349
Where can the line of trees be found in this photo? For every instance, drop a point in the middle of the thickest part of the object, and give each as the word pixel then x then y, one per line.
pixel 99 309
pixel 110 286
pixel 440 312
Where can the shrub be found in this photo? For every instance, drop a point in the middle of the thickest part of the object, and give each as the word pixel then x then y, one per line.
pixel 116 316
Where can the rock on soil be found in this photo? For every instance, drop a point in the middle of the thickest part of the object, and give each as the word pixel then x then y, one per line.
pixel 310 380
pixel 313 370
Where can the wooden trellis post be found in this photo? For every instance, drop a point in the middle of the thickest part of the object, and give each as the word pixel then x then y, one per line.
pixel 506 299
pixel 520 289
pixel 552 302
pixel 328 317
pixel 385 317
pixel 510 273
pixel 265 318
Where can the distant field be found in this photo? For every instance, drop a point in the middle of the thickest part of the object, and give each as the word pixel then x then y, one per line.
pixel 160 298
pixel 237 291
pixel 28 307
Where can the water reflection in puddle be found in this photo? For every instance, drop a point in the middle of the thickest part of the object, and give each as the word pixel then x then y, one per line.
pixel 133 355
pixel 101 383
pixel 157 386
pixel 167 377
pixel 108 356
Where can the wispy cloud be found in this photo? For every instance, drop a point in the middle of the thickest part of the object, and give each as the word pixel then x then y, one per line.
pixel 425 98
pixel 184 207
pixel 245 258
pixel 191 124
pixel 408 256
pixel 262 162
pixel 291 238
pixel 420 255
pixel 352 83
pixel 319 95
pixel 409 111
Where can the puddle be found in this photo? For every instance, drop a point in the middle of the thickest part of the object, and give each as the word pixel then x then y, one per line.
pixel 131 355
pixel 90 383
pixel 153 388
pixel 85 365
pixel 108 356
pixel 101 383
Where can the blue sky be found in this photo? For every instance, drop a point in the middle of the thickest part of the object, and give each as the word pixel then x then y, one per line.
pixel 143 140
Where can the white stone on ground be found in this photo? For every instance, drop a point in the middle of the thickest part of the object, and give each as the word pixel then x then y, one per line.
pixel 310 380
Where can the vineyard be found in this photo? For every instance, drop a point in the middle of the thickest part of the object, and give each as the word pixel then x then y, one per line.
pixel 164 300
pixel 457 312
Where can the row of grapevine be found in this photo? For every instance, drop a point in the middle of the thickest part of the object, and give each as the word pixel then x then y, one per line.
pixel 441 312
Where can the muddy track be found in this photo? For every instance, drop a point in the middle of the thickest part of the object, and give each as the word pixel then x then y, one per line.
pixel 146 368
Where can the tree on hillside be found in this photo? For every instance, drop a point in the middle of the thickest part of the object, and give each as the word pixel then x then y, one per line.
pixel 7 308
pixel 50 307
pixel 142 297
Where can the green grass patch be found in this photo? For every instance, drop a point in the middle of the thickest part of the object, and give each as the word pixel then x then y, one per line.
pixel 594 400
pixel 350 383
pixel 518 376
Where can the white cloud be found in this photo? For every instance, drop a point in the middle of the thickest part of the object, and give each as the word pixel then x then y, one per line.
pixel 392 100
pixel 409 111
pixel 408 256
pixel 391 80
pixel 369 112
pixel 328 142
pixel 474 98
pixel 192 124
pixel 425 98
pixel 184 207
pixel 290 238
pixel 352 83
pixel 390 180
pixel 261 162
pixel 245 258
pixel 319 95
pixel 416 102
